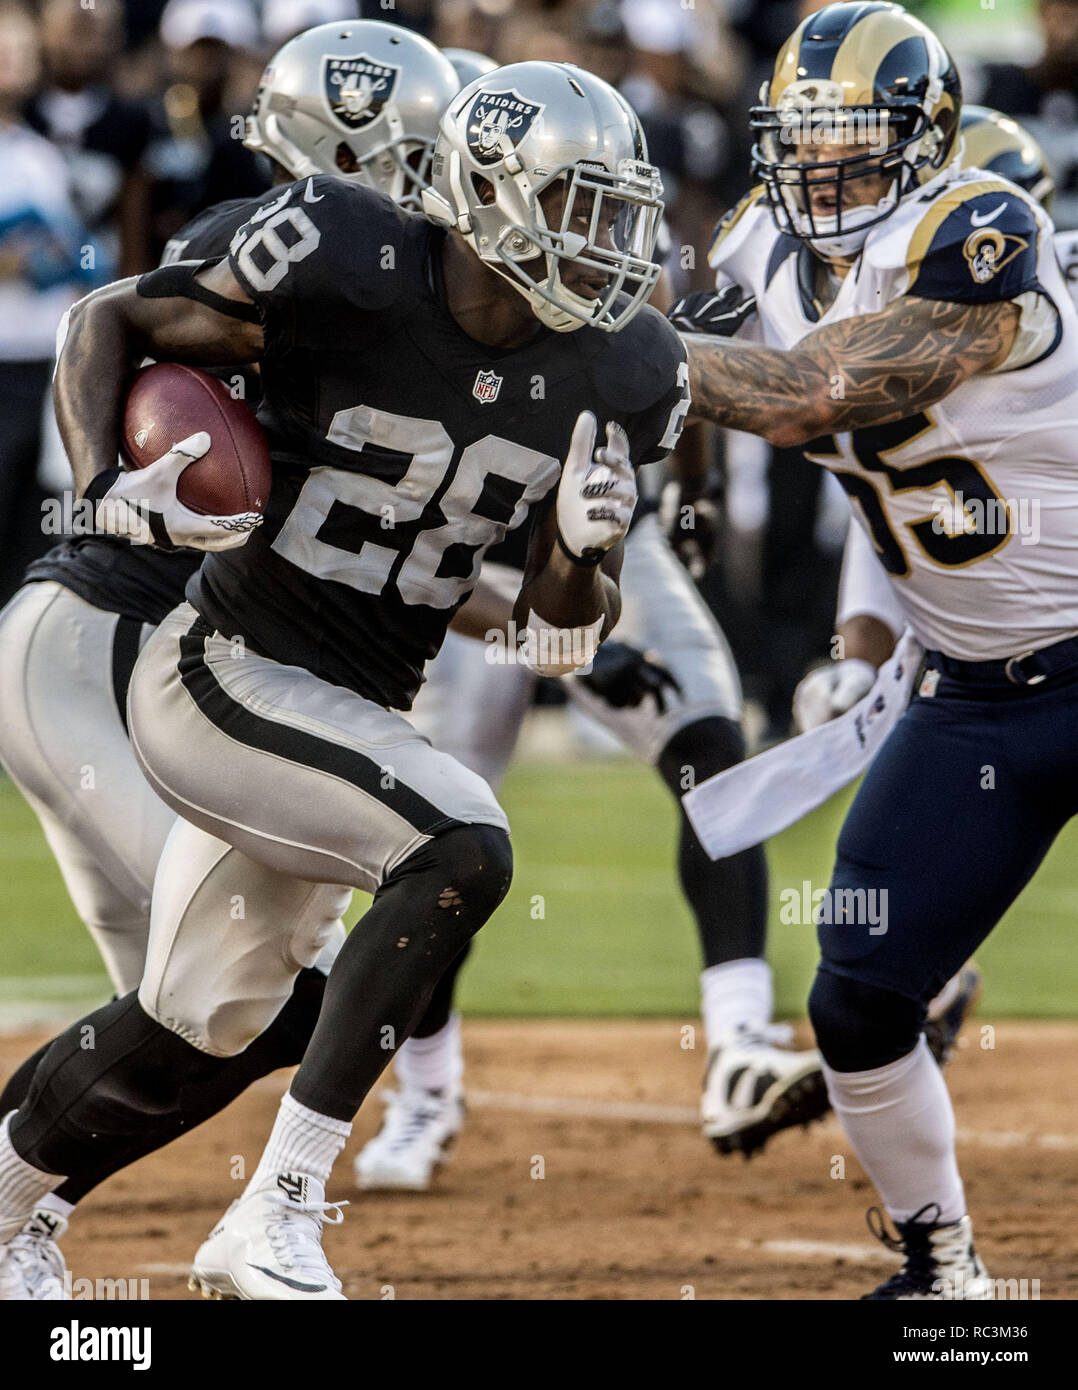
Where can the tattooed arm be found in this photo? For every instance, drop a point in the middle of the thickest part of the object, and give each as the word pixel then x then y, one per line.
pixel 868 370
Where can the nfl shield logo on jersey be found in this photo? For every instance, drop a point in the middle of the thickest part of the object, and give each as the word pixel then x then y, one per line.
pixel 357 88
pixel 497 123
pixel 487 386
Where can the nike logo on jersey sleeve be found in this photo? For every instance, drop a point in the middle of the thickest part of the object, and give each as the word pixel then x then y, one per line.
pixel 988 217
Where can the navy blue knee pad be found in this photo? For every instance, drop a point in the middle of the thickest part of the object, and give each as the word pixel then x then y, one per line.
pixel 859 1026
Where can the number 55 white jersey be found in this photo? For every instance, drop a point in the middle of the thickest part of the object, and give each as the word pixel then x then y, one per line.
pixel 970 504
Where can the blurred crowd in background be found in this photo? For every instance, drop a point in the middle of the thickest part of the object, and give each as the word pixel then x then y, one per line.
pixel 120 119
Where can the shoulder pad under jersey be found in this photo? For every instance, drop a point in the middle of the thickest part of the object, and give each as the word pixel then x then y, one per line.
pixel 975 239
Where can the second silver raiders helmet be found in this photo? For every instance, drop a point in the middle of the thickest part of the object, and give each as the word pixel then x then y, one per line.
pixel 358 99
pixel 541 164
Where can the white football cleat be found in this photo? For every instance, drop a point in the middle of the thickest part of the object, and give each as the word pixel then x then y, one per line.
pixel 940 1261
pixel 268 1245
pixel 417 1134
pixel 35 1254
pixel 13 1287
pixel 753 1089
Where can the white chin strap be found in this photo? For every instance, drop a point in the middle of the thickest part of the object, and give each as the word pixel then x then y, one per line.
pixel 553 315
pixel 854 229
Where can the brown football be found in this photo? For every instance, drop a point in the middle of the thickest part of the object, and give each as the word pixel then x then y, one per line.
pixel 168 402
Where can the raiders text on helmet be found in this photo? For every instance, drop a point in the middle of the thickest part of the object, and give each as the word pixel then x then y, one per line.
pixel 543 165
pixel 360 99
pixel 869 76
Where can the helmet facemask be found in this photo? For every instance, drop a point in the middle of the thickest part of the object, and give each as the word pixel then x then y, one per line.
pixel 398 165
pixel 822 201
pixel 587 238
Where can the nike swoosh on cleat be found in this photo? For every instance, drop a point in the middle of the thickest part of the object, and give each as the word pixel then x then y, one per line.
pixel 988 217
pixel 309 195
pixel 292 1283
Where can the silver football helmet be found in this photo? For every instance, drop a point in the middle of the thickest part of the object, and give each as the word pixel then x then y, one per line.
pixel 468 64
pixel 543 170
pixel 357 99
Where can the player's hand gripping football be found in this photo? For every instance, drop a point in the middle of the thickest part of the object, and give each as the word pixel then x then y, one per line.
pixel 141 504
pixel 831 690
pixel 597 492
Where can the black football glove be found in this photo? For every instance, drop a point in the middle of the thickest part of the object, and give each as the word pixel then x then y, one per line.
pixel 622 676
pixel 719 313
pixel 691 524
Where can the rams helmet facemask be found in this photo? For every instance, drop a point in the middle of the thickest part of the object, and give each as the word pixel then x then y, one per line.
pixel 543 170
pixel 358 99
pixel 870 76
pixel 993 141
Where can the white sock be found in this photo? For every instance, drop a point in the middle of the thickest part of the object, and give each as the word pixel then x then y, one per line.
pixel 302 1141
pixel 21 1185
pixel 736 997
pixel 50 1202
pixel 435 1063
pixel 901 1125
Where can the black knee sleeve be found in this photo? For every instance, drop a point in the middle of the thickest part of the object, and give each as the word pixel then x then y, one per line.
pixel 476 863
pixel 281 1045
pixel 18 1084
pixel 441 1001
pixel 699 751
pixel 422 917
pixel 860 1027
pixel 99 1085
pixel 728 897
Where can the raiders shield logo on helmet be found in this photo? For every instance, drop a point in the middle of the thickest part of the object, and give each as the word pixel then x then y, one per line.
pixel 487 386
pixel 497 123
pixel 357 88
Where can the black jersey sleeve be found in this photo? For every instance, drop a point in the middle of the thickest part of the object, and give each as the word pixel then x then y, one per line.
pixel 317 255
pixel 209 233
pixel 654 430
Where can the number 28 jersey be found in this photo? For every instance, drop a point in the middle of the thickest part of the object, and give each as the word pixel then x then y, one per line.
pixel 402 448
pixel 970 504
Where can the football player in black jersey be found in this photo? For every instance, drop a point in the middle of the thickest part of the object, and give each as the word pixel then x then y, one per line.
pixel 70 637
pixel 425 382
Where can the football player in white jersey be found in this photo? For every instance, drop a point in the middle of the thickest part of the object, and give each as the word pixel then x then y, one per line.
pixel 915 335
pixel 869 617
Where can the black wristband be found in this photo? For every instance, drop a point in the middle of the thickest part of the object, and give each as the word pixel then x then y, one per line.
pixel 100 484
pixel 587 561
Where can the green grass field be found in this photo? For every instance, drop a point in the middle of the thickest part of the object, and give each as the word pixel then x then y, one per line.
pixel 594 924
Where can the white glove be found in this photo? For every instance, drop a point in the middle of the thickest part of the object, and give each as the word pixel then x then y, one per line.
pixel 597 492
pixel 141 504
pixel 831 690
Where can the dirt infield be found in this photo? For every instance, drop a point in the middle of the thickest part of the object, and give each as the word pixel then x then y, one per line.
pixel 631 1203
